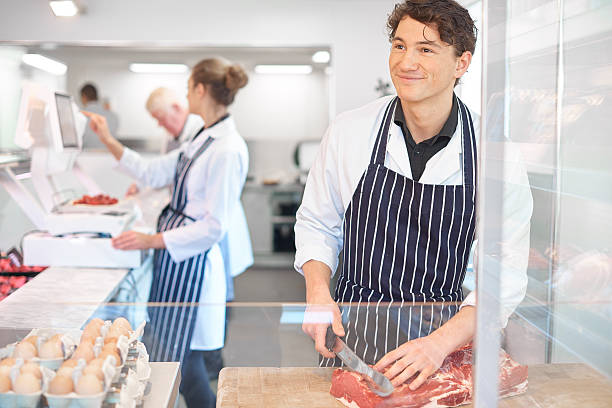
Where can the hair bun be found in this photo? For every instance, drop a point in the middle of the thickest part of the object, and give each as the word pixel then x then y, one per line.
pixel 235 77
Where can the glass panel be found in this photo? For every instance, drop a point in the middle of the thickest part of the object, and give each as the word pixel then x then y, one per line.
pixel 556 68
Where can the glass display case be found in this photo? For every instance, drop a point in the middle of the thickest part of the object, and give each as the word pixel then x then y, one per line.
pixel 546 91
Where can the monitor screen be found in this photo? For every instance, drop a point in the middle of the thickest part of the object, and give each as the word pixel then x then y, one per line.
pixel 66 120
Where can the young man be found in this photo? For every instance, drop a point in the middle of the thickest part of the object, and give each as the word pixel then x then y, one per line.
pixel 394 187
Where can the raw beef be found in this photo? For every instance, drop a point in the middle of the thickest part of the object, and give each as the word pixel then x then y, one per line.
pixel 450 386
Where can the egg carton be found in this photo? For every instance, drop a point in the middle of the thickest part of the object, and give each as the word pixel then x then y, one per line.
pixel 69 341
pixel 124 383
pixel 11 399
pixel 74 400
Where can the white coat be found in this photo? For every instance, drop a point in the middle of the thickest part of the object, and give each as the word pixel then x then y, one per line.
pixel 344 155
pixel 214 187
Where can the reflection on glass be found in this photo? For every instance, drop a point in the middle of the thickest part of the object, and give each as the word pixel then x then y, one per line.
pixel 557 106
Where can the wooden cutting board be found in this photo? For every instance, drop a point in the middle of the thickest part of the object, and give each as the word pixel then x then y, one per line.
pixel 550 385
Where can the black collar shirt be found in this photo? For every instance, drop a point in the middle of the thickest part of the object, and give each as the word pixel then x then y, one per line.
pixel 420 153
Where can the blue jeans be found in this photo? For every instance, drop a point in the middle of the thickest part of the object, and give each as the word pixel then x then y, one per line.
pixel 195 385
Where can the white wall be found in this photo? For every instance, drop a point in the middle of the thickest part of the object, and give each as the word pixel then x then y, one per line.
pixel 270 107
pixel 355 30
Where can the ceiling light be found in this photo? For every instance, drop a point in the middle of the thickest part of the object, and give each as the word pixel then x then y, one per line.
pixel 64 8
pixel 44 63
pixel 159 68
pixel 283 69
pixel 321 57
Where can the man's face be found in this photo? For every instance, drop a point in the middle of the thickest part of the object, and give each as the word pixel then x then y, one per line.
pixel 422 66
pixel 170 119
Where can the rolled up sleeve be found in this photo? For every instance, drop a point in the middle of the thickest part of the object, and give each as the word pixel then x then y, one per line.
pixel 318 228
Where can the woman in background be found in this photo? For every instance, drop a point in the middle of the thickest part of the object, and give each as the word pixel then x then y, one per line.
pixel 206 176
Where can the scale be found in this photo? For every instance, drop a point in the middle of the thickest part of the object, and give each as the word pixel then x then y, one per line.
pixel 51 127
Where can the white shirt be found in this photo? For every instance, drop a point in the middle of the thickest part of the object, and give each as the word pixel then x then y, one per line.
pixel 192 124
pixel 214 185
pixel 343 157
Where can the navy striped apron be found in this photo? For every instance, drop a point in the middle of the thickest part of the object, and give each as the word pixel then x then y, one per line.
pixel 171 327
pixel 406 248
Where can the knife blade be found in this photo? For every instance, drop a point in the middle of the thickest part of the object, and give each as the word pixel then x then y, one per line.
pixel 378 383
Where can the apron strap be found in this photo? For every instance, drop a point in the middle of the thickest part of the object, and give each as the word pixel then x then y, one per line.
pixel 178 199
pixel 380 147
pixel 468 146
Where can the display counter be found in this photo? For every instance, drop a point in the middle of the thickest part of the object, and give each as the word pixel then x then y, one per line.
pixel 66 298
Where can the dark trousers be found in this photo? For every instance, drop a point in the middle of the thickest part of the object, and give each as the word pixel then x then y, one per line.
pixel 195 385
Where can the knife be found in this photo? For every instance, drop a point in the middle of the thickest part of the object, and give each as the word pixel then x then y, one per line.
pixel 378 383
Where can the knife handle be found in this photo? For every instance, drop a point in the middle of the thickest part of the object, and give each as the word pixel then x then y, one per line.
pixel 330 339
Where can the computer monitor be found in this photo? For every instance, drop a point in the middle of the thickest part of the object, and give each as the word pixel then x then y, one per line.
pixel 65 117
pixel 51 127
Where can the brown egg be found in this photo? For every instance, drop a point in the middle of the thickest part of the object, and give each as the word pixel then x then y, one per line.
pixel 97 371
pixel 26 384
pixel 89 384
pixel 51 349
pixel 122 322
pixel 69 363
pixel 91 332
pixel 96 362
pixel 110 347
pixel 5 370
pixel 32 339
pixel 65 371
pixel 104 354
pixel 108 339
pixel 31 368
pixel 57 337
pixel 25 350
pixel 117 331
pixel 96 321
pixel 84 351
pixel 88 338
pixel 61 385
pixel 9 362
pixel 5 383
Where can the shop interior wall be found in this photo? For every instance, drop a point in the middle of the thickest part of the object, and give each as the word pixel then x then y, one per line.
pixel 355 30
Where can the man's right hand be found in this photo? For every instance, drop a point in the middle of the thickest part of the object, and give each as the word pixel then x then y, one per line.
pixel 321 310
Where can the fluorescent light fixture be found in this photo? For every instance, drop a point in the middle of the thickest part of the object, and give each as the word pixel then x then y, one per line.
pixel 283 69
pixel 46 64
pixel 321 57
pixel 159 68
pixel 64 8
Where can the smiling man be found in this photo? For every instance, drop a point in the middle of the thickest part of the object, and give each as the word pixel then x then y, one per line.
pixel 394 187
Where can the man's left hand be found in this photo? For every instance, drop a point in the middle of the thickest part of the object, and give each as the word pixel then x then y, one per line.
pixel 130 240
pixel 423 355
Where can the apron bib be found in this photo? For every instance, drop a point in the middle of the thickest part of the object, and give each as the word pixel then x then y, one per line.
pixel 405 252
pixel 171 327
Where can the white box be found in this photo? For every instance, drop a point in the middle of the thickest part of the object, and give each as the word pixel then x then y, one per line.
pixel 78 250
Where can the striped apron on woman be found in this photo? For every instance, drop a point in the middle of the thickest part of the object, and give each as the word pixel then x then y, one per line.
pixel 171 326
pixel 406 248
